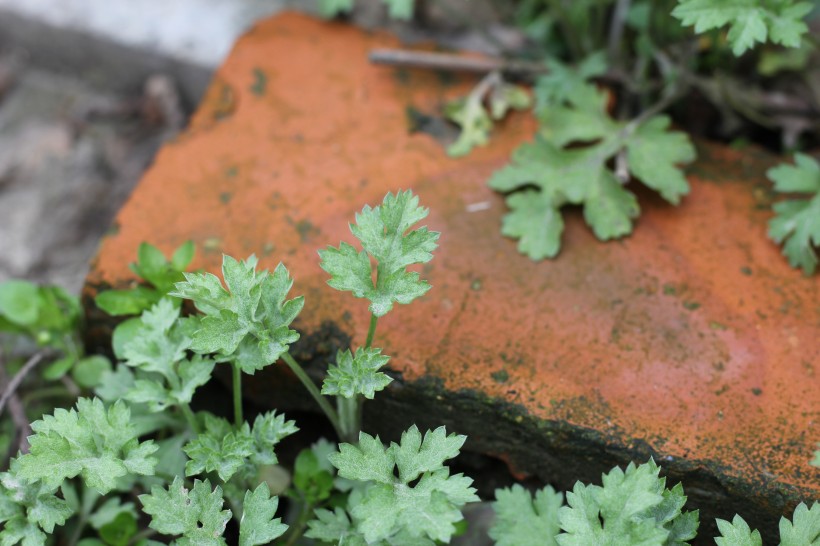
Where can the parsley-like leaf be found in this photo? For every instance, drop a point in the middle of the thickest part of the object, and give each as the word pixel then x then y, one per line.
pixel 159 345
pixel 258 525
pixel 804 529
pixel 569 164
pixel 391 506
pixel 797 221
pixel 737 533
pixel 268 430
pixel 524 521
pixel 357 374
pixel 219 449
pixel 749 21
pixel 28 509
pixel 249 322
pixel 223 449
pixel 383 233
pixel 334 527
pixel 98 444
pixel 631 507
pixel 197 514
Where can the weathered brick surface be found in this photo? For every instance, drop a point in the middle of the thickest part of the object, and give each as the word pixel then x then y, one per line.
pixel 692 341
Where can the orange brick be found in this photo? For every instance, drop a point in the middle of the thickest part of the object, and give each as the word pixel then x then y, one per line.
pixel 692 340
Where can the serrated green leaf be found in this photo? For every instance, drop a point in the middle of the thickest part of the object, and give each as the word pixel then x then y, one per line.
pixel 356 374
pixel 249 322
pixel 569 164
pixel 98 444
pixel 334 527
pixel 415 456
pixel 216 451
pixel 654 153
pixel 19 530
pixel 609 209
pixel 750 21
pixel 536 221
pixel 368 461
pixel 19 302
pixel 383 233
pixel 268 430
pixel 805 529
pixel 32 502
pixel 197 514
pixel 522 520
pixel 737 533
pixel 564 83
pixel 391 506
pixel 631 507
pixel 349 269
pixel 115 384
pixel 802 177
pixel 159 342
pixel 258 525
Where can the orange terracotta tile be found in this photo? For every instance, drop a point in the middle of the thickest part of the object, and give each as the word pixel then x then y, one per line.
pixel 692 340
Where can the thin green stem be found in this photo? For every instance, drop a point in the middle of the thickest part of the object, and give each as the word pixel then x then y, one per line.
pixel 314 392
pixel 237 395
pixel 371 332
pixel 349 417
pixel 190 417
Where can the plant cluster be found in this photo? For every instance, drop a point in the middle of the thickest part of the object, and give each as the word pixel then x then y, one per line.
pixel 607 74
pixel 134 460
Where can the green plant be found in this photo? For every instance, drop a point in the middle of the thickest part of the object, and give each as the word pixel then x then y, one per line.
pixel 398 9
pixel 797 221
pixel 206 480
pixel 629 508
pixel 155 269
pixel 607 73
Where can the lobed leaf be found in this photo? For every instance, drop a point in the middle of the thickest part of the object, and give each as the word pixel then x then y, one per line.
pixel 568 163
pixel 356 374
pixel 249 322
pixel 737 533
pixel 796 223
pixel 400 510
pixel 750 21
pixel 258 524
pixel 383 233
pixel 522 520
pixel 631 507
pixel 195 514
pixel 219 448
pixel 804 529
pixel 96 443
